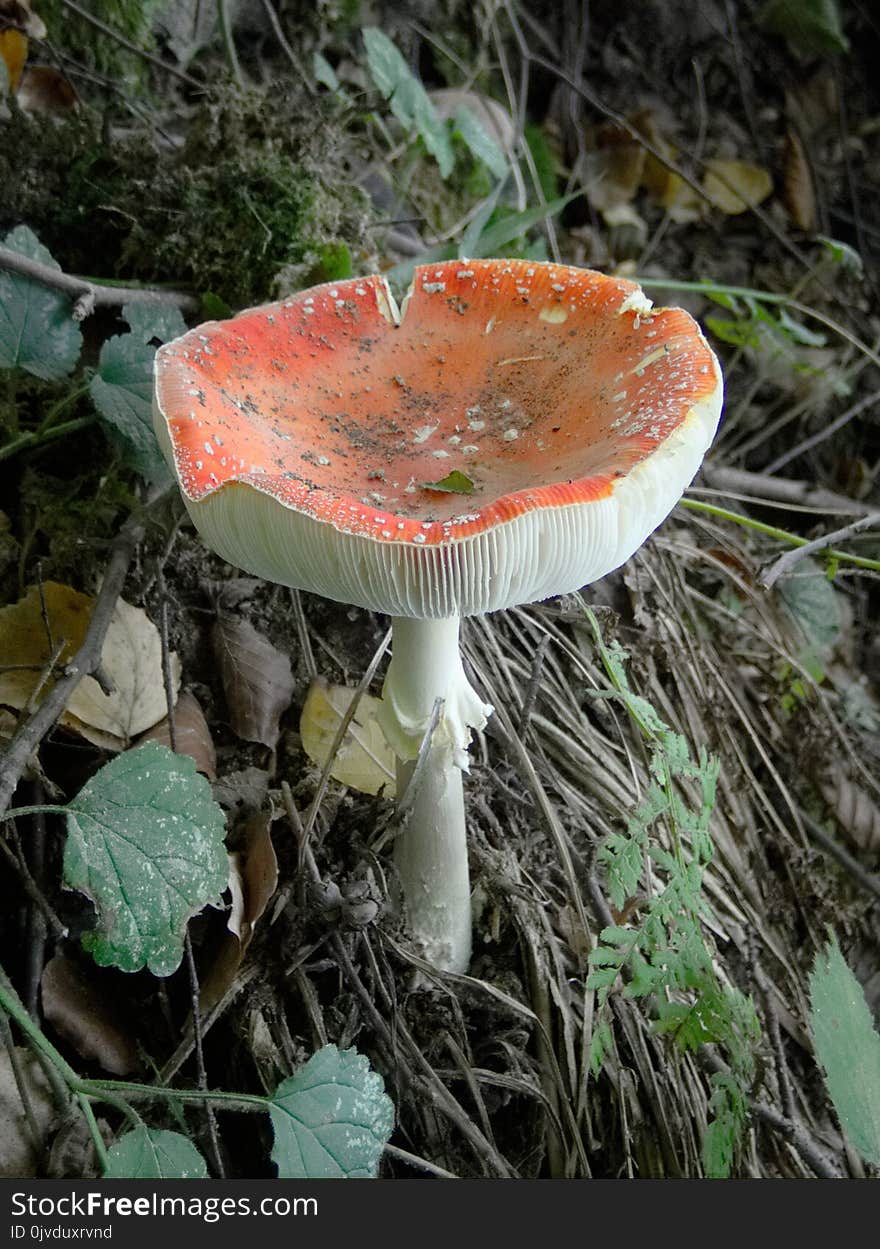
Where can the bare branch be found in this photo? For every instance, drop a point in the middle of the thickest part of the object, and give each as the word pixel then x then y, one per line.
pixel 786 562
pixel 90 295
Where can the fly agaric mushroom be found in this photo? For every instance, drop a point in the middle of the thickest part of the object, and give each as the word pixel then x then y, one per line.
pixel 516 430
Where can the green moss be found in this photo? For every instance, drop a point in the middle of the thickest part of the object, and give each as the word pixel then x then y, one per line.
pixel 132 19
pixel 259 198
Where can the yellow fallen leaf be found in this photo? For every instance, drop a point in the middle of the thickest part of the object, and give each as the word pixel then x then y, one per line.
pixel 735 185
pixel 364 761
pixel 131 659
pixel 13 51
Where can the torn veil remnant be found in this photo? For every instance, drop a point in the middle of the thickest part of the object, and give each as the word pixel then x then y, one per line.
pixel 308 437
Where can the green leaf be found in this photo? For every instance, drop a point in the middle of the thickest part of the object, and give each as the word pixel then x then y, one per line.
pixel 844 255
pixel 489 242
pixel 145 843
pixel 122 389
pixel 149 321
pixel 480 142
pixel 407 97
pixel 813 604
pixel 810 26
pixel 469 243
pixel 453 483
pixel 848 1048
pixel 150 1154
pixel 37 329
pixel 331 1120
pixel 323 72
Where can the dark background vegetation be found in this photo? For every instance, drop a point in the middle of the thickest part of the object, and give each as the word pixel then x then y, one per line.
pixel 230 172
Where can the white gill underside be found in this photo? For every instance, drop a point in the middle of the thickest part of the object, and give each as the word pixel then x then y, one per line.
pixel 532 557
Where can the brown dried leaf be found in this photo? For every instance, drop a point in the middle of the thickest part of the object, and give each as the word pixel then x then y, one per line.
pixel 191 734
pixel 256 678
pixel 78 1005
pixel 242 792
pixel 855 811
pixel 19 1153
pixel 614 168
pixel 253 879
pixel 798 191
pixel 734 186
pixel 46 90
pixel 131 659
pixel 364 761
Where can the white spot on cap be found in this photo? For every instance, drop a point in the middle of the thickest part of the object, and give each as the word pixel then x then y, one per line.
pixel 510 435
pixel 423 433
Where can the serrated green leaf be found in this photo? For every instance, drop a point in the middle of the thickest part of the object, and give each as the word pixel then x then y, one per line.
pixel 332 1119
pixel 480 142
pixel 145 843
pixel 407 97
pixel 453 483
pixel 122 389
pixel 604 956
pixel 602 977
pixel 150 1154
pixel 37 330
pixel 848 1048
pixel 154 320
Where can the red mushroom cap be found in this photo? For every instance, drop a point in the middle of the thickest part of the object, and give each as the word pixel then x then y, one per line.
pixel 564 416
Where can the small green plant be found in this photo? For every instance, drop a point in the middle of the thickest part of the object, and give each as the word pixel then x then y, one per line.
pixel 660 954
pixel 39 336
pixel 847 1048
pixel 145 842
pixel 412 106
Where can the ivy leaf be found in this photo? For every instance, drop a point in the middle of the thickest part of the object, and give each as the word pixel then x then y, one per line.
pixel 407 97
pixel 848 1048
pixel 331 1120
pixel 453 483
pixel 150 1154
pixel 37 329
pixel 122 389
pixel 145 843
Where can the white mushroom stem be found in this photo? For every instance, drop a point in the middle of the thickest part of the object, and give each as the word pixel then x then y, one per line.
pixel 431 851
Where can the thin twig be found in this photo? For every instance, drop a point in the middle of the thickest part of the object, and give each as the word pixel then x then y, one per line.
pixel 229 42
pixel 826 432
pixel 201 1070
pixel 765 488
pixel 90 295
pixel 132 47
pixel 841 854
pixel 269 9
pixel 786 562
pixel 32 889
pixel 85 662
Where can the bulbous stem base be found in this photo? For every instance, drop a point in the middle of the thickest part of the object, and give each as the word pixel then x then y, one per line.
pixel 431 850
